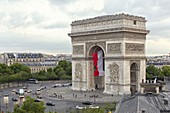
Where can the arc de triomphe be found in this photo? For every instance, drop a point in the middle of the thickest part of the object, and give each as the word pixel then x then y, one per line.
pixel 122 38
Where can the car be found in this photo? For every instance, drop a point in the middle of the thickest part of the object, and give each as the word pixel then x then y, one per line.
pixel 93 106
pixel 57 85
pixel 50 103
pixel 39 96
pixel 43 87
pixel 25 87
pixel 66 85
pixel 17 92
pixel 14 99
pixel 38 100
pixel 80 107
pixel 87 103
pixel 39 89
pixel 14 90
pixel 29 91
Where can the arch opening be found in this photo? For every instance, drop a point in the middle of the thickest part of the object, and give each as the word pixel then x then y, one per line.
pixel 98 79
pixel 133 78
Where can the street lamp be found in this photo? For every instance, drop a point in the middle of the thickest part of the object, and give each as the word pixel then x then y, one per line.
pixel 0 103
pixel 6 101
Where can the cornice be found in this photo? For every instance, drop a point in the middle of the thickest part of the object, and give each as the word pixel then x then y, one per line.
pixel 112 30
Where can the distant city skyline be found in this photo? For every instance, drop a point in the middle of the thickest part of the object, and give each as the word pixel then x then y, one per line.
pixel 41 26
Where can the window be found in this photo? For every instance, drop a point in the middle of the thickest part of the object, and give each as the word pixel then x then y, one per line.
pixel 134 22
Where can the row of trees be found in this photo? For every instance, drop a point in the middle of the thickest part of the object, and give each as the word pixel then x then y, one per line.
pixel 152 71
pixel 18 72
pixel 63 71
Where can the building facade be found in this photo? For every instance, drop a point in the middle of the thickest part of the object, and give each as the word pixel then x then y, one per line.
pixel 121 38
pixel 35 61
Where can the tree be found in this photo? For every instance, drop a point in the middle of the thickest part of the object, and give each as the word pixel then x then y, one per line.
pixel 19 67
pixel 63 69
pixel 152 71
pixel 166 71
pixel 29 106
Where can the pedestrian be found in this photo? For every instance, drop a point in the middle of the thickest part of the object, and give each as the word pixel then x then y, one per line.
pixel 85 95
pixel 73 95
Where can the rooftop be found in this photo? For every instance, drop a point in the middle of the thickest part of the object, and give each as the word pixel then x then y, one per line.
pixel 108 17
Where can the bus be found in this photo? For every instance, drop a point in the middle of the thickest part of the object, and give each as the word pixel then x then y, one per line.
pixel 34 81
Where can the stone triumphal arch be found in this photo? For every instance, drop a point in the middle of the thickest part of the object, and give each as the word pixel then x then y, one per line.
pixel 121 39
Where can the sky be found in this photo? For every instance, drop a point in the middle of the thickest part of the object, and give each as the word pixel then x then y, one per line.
pixel 43 25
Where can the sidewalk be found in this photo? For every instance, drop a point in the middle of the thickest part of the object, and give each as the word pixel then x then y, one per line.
pixel 65 93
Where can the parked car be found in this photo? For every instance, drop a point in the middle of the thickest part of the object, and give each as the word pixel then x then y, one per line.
pixel 14 99
pixel 50 103
pixel 87 103
pixel 93 106
pixel 80 107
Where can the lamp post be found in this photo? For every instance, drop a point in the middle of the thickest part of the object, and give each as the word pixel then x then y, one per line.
pixel 0 103
pixel 6 101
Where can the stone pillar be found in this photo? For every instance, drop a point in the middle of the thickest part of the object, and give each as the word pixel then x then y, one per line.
pixel 142 90
pixel 157 89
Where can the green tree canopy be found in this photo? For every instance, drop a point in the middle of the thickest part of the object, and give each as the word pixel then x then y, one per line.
pixel 166 71
pixel 19 67
pixel 152 71
pixel 63 69
pixel 29 106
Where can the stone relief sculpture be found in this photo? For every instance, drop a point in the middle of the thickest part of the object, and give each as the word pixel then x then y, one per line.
pixel 78 70
pixel 114 73
pixel 113 48
pixel 134 48
pixel 78 49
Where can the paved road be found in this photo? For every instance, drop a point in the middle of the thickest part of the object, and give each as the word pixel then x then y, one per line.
pixel 62 105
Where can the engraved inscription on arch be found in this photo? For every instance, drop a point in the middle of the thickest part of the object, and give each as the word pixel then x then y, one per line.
pixel 114 48
pixel 78 49
pixel 134 48
pixel 114 73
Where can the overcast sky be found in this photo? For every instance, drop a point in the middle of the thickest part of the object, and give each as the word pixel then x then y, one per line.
pixel 43 25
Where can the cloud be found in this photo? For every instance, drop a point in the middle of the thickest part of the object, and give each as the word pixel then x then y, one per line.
pixel 157 46
pixel 24 43
pixel 42 25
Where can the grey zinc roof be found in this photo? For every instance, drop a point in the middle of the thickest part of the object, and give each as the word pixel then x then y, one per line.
pixel 136 104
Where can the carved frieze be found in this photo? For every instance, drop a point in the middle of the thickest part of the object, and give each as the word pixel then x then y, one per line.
pixel 114 73
pixel 114 48
pixel 78 49
pixel 132 48
pixel 134 35
pixel 97 37
pixel 78 70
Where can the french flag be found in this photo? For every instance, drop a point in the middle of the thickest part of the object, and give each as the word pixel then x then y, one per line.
pixel 98 63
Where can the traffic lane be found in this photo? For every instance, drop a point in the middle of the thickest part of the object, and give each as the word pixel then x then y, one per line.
pixel 60 105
